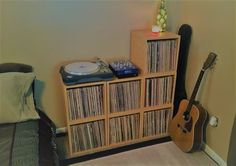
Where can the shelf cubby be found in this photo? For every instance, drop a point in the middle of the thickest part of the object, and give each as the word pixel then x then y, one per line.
pixel 85 101
pixel 158 90
pixel 87 136
pixel 124 128
pixel 156 122
pixel 124 96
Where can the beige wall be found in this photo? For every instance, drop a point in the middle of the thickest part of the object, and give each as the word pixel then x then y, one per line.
pixel 46 33
pixel 213 24
pixel 1 57
pixel 235 57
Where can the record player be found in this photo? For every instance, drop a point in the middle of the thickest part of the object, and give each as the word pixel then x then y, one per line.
pixel 83 72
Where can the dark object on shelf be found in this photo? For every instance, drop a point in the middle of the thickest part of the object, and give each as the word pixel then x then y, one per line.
pixel 124 68
pixel 185 31
pixel 83 72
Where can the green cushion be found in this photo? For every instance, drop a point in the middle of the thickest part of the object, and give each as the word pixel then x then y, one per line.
pixel 16 97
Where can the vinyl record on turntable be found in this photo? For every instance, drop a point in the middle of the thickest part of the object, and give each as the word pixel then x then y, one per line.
pixel 82 72
pixel 81 68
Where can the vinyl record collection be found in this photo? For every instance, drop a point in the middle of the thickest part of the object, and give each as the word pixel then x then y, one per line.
pixel 104 112
pixel 124 128
pixel 85 102
pixel 88 135
pixel 161 55
pixel 124 96
pixel 159 90
pixel 156 122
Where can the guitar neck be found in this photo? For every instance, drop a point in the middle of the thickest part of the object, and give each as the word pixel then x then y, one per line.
pixel 195 90
pixel 208 63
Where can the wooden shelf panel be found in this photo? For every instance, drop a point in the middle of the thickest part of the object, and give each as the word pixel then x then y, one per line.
pixel 123 113
pixel 85 120
pixel 128 142
pixel 84 85
pixel 117 80
pixel 145 35
pixel 147 138
pixel 159 74
pixel 158 107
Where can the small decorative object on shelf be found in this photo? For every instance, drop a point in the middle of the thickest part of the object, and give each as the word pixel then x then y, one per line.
pixel 162 17
pixel 156 29
pixel 124 68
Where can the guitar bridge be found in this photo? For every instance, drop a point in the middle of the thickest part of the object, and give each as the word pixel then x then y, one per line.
pixel 182 128
pixel 187 127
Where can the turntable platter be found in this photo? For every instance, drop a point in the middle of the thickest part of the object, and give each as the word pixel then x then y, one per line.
pixel 81 68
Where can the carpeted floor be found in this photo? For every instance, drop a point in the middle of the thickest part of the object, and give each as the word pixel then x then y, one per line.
pixel 163 154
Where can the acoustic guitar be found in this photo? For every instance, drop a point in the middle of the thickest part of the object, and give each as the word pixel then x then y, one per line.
pixel 186 128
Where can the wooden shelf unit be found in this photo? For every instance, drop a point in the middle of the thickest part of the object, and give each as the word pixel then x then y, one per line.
pixel 118 109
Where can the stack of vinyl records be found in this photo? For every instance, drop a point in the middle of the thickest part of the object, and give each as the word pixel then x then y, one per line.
pixel 162 55
pixel 124 96
pixel 88 135
pixel 124 128
pixel 156 122
pixel 85 102
pixel 159 91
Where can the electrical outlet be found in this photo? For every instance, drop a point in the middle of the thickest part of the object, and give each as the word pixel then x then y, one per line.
pixel 213 121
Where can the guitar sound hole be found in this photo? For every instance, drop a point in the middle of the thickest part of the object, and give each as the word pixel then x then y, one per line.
pixel 186 118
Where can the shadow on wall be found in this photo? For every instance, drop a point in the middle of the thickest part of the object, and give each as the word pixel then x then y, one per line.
pixel 231 161
pixel 39 87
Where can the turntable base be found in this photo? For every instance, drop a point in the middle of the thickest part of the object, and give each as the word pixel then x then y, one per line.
pixel 83 72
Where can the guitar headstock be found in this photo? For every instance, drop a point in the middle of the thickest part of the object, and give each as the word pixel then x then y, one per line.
pixel 210 61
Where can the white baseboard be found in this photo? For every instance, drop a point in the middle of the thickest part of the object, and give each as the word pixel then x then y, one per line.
pixel 214 156
pixel 61 130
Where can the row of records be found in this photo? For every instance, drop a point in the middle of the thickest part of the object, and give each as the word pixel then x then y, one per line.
pixel 92 134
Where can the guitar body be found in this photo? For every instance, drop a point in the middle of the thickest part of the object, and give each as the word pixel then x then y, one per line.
pixel 188 135
pixel 187 127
